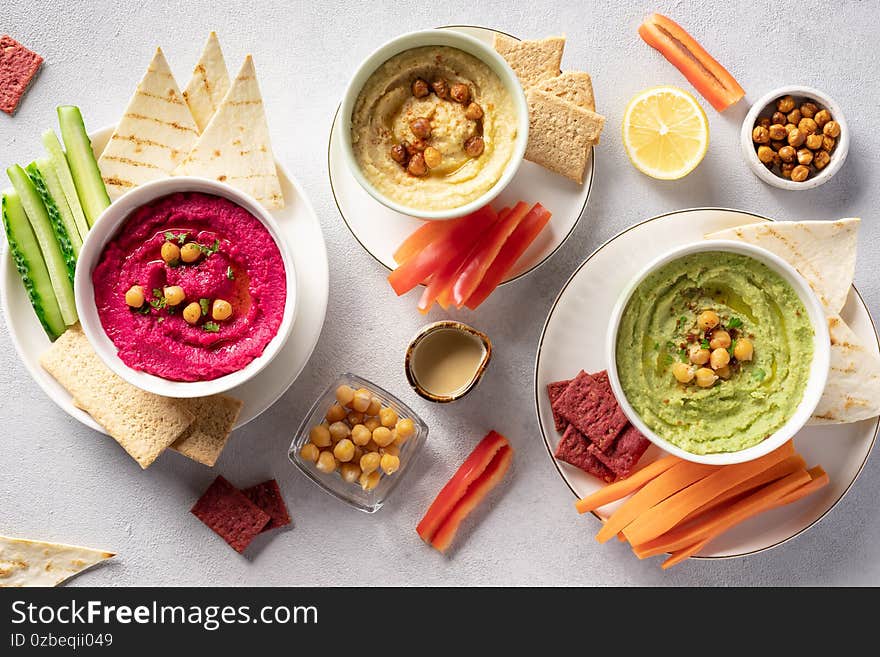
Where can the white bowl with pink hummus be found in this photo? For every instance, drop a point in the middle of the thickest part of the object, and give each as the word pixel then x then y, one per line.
pixel 185 288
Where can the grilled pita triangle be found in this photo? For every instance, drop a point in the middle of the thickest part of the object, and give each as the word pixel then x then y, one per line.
pixel 208 84
pixel 35 563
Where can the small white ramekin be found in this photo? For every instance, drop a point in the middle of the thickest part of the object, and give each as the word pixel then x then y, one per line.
pixel 765 106
pixel 453 39
pixel 818 368
pixel 103 231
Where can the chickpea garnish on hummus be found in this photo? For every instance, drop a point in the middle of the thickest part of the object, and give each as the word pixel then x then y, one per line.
pixel 722 344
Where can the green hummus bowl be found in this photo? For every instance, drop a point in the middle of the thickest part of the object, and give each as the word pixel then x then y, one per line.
pixel 718 352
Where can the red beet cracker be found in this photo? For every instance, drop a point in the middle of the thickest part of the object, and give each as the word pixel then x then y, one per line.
pixel 554 392
pixel 573 448
pixel 588 403
pixel 230 513
pixel 267 496
pixel 625 453
pixel 18 66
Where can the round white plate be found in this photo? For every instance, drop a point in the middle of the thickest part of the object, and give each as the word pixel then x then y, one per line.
pixel 575 330
pixel 299 227
pixel 381 230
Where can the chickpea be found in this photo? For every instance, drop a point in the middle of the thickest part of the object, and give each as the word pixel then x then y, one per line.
pixel 460 93
pixel 828 143
pixel 807 126
pixel 372 424
pixel 723 372
pixel 719 358
pixel 814 141
pixel 778 117
pixel 765 154
pixel 794 116
pixel 720 340
pixel 420 88
pixel 776 160
pixel 831 129
pixel 785 104
pixel 399 153
pixel 441 88
pixel 800 173
pixel 370 461
pixel 309 452
pixel 418 146
pixel 221 310
pixel 683 372
pixel 388 417
pixel 360 435
pixel 354 417
pixel 344 394
pixel 374 408
pixel 707 320
pixel 192 313
pixel 326 462
pixel 787 169
pixel 335 413
pixel 805 156
pixel 822 117
pixel 777 132
pixel 473 112
pixel 174 295
pixel 392 449
pixel 787 154
pixel 190 252
pixel 371 446
pixel 389 463
pixel 170 253
pixel 821 159
pixel 135 296
pixel 809 110
pixel 338 431
pixel 350 472
pixel 417 166
pixel 433 157
pixel 344 450
pixel 776 145
pixel 320 435
pixel 705 377
pixel 358 453
pixel 760 135
pixel 744 349
pixel 420 127
pixel 789 127
pixel 405 429
pixel 474 146
pixel 764 122
pixel 369 481
pixel 697 355
pixel 361 400
pixel 796 138
pixel 382 436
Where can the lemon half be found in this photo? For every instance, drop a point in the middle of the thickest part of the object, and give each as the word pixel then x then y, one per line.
pixel 665 132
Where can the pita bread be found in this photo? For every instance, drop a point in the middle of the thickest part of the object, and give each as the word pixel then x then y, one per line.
pixel 153 136
pixel 34 563
pixel 852 392
pixel 824 252
pixel 235 146
pixel 532 61
pixel 208 84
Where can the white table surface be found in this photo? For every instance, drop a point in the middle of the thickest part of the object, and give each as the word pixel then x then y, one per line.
pixel 61 481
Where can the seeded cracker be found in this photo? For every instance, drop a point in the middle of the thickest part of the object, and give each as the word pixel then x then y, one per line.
pixel 205 439
pixel 532 61
pixel 574 86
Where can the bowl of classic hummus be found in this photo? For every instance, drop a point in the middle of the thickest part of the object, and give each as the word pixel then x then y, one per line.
pixel 435 124
pixel 718 352
pixel 185 288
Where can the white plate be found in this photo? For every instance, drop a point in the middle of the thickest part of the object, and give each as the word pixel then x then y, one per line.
pixel 299 227
pixel 380 230
pixel 574 333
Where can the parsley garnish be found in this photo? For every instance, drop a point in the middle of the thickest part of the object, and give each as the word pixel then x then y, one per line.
pixel 704 344
pixel 211 327
pixel 204 305
pixel 158 302
pixel 668 359
pixel 181 238
pixel 731 347
pixel 670 345
pixel 143 310
pixel 735 322
pixel 759 374
pixel 656 346
pixel 208 250
pixel 683 354
pixel 231 275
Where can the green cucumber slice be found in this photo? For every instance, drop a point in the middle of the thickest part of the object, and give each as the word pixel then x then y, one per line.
pixel 28 259
pixel 86 175
pixel 58 227
pixel 45 235
pixel 53 185
pixel 59 163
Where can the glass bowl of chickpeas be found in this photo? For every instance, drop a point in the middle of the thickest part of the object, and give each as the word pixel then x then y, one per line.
pixel 795 138
pixel 357 442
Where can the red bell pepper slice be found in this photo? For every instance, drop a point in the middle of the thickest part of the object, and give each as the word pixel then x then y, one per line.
pixel 459 239
pixel 474 465
pixel 476 493
pixel 468 279
pixel 429 232
pixel 710 78
pixel 528 229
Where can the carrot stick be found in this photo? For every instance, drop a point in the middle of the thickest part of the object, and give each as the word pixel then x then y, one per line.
pixel 620 489
pixel 719 521
pixel 621 537
pixel 676 478
pixel 667 514
pixel 820 479
pixel 681 555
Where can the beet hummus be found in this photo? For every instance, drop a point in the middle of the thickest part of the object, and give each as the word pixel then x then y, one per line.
pixel 191 288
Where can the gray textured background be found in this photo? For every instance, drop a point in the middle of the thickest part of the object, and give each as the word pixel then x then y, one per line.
pixel 61 481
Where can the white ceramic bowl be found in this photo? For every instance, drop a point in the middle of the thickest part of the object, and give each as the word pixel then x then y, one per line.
pixel 107 226
pixel 470 45
pixel 818 368
pixel 765 106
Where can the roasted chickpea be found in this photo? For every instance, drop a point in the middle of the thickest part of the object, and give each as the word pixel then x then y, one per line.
pixel 335 413
pixel 765 154
pixel 705 377
pixel 697 355
pixel 372 423
pixel 170 253
pixel 743 350
pixel 720 340
pixel 389 463
pixel 135 296
pixel 399 153
pixel 788 128
pixel 420 127
pixel 369 481
pixel 190 252
pixel 192 313
pixel 814 141
pixel 787 169
pixel 807 126
pixel 707 320
pixel 809 110
pixel 764 122
pixel 350 472
pixel 361 400
pixel 760 135
pixel 338 431
pixel 441 88
pixel 473 112
pixel 787 154
pixel 785 104
pixel 777 132
pixel 221 310
pixel 828 143
pixel 821 159
pixel 433 157
pixel 719 358
pixel 370 461
pixel 796 138
pixel 460 93
pixel 326 462
pixel 374 408
pixel 474 146
pixel 804 156
pixel 776 145
pixel 831 129
pixel 420 88
pixel 417 146
pixel 360 435
pixel 822 117
pixel 417 166
pixel 320 435
pixel 174 295
pixel 309 452
pixel 794 116
pixel 344 450
pixel 683 372
pixel 382 436
pixel 388 417
pixel 723 372
pixel 778 117
pixel 800 173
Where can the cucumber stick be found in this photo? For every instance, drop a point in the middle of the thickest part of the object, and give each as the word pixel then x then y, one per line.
pixel 56 195
pixel 81 159
pixel 59 163
pixel 43 231
pixel 58 227
pixel 31 267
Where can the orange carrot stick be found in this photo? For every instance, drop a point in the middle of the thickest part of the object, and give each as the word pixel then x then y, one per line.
pixel 681 555
pixel 820 479
pixel 620 489
pixel 667 514
pixel 676 478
